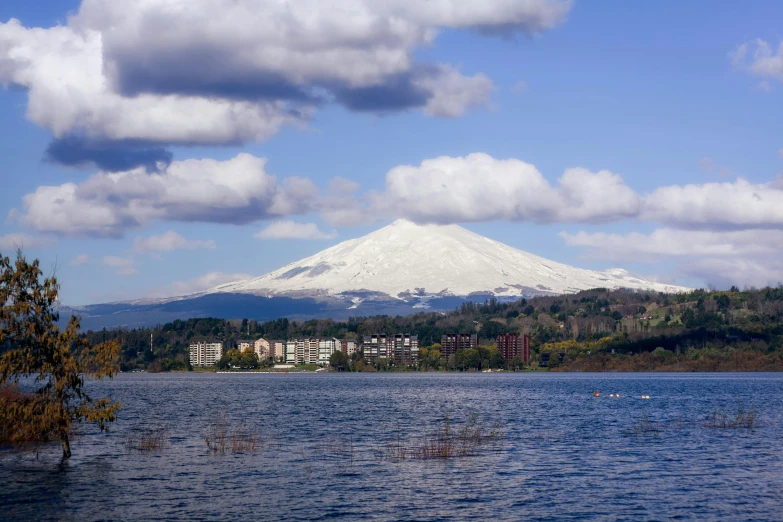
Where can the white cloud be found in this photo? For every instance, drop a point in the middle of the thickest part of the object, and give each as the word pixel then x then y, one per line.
pixel 124 265
pixel 11 242
pixel 758 58
pixel 237 190
pixel 479 187
pixel 739 204
pixel 292 230
pixel 81 259
pixel 199 284
pixel 169 241
pixel 667 242
pixel 63 70
pixel 228 71
pixel 746 257
pixel 453 93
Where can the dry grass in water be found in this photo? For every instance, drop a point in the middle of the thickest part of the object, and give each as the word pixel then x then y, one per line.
pixel 154 439
pixel 747 418
pixel 645 426
pixel 448 442
pixel 223 437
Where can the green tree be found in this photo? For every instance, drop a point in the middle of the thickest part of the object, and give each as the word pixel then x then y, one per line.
pixel 338 361
pixel 496 359
pixel 59 361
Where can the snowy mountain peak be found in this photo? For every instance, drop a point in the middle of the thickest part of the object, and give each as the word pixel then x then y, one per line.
pixel 405 259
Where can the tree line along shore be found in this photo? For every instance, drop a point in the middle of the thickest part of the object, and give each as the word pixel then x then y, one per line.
pixel 593 330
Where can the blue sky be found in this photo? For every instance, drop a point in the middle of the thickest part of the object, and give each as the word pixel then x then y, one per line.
pixel 680 104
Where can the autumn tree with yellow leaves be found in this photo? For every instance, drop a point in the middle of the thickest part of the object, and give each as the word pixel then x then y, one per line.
pixel 51 364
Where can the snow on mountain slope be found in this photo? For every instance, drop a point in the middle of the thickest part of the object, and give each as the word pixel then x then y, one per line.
pixel 405 259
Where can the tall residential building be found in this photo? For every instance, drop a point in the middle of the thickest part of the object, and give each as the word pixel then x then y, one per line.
pixel 326 347
pixel 290 352
pixel 376 346
pixel 405 349
pixel 514 345
pixel 205 354
pixel 306 351
pixel 451 343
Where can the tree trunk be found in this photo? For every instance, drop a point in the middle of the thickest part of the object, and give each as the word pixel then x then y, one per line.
pixel 66 446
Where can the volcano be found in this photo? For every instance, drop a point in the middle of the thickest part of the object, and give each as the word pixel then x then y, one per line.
pixel 405 260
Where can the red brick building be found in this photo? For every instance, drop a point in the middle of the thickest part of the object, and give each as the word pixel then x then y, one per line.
pixel 451 343
pixel 514 345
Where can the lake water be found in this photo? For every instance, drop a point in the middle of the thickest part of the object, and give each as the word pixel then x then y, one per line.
pixel 565 454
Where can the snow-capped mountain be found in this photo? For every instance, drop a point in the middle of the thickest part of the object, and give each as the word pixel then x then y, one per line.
pixel 406 260
pixel 398 269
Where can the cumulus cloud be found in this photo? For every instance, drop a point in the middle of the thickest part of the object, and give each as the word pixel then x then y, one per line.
pixel 199 284
pixel 63 70
pixel 121 79
pixel 758 58
pixel 80 260
pixel 11 242
pixel 124 265
pixel 738 204
pixel 667 242
pixel 744 257
pixel 479 187
pixel 169 241
pixel 293 230
pixel 237 190
pixel 451 93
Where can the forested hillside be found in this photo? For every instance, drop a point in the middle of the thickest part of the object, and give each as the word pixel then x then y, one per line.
pixel 592 330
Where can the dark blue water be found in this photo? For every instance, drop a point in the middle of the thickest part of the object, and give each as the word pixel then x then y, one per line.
pixel 565 455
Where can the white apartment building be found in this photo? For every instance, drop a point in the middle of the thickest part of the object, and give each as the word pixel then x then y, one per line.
pixel 205 354
pixel 290 352
pixel 244 345
pixel 326 347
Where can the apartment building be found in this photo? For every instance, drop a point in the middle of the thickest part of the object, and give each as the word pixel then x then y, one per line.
pixel 451 343
pixel 514 345
pixel 278 350
pixel 348 347
pixel 263 349
pixel 405 349
pixel 375 346
pixel 290 352
pixel 205 354
pixel 401 349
